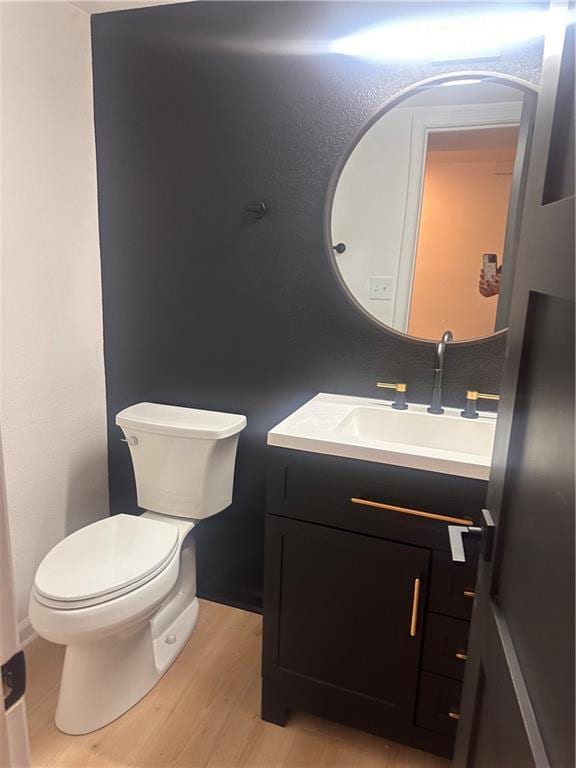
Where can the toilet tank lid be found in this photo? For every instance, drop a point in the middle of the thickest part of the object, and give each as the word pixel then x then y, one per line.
pixel 182 422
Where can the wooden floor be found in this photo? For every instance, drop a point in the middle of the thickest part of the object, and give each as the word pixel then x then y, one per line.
pixel 204 712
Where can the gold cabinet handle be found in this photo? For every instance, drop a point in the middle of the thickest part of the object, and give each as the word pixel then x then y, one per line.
pixel 454 715
pixel 415 604
pixel 461 656
pixel 414 512
pixel 469 593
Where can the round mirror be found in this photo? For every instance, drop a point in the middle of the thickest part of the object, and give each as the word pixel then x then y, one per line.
pixel 424 211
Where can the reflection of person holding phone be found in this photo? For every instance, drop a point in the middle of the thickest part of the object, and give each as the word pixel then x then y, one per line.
pixel 490 275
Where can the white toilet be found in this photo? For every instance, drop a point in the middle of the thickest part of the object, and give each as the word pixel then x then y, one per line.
pixel 121 593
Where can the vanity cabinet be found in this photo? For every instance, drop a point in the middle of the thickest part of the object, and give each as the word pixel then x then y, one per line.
pixel 366 617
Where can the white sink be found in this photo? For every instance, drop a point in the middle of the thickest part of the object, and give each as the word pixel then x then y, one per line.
pixel 413 427
pixel 361 428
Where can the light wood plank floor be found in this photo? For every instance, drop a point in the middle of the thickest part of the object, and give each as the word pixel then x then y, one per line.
pixel 204 712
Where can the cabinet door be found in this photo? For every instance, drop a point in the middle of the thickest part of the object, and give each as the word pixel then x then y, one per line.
pixel 348 614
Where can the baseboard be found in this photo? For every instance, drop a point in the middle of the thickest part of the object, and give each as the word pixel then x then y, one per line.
pixel 26 633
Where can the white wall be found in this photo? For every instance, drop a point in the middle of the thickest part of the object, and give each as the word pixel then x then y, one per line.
pixel 52 395
pixel 369 209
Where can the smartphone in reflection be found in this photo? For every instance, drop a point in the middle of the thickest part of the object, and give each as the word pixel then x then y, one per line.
pixel 489 265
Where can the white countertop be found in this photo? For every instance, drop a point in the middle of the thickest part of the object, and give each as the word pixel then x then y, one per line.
pixel 371 430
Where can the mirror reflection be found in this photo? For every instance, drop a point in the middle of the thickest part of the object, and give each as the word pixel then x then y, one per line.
pixel 425 210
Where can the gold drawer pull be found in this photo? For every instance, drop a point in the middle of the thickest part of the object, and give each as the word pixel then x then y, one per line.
pixel 454 715
pixel 461 656
pixel 415 603
pixel 469 593
pixel 415 512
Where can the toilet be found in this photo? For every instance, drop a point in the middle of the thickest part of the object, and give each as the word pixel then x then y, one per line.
pixel 121 593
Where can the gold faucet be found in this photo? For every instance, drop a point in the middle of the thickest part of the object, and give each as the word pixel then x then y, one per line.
pixel 399 398
pixel 470 411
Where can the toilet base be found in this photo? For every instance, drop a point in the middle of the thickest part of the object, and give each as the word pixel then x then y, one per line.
pixel 104 678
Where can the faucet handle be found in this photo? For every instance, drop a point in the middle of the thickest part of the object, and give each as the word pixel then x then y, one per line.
pixel 400 398
pixel 472 396
pixel 481 396
pixel 397 387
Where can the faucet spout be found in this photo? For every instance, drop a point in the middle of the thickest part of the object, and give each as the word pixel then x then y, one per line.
pixel 436 401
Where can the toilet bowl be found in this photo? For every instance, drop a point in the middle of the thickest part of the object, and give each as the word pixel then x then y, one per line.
pixel 121 593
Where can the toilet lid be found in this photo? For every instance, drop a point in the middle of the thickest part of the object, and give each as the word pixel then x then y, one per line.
pixel 106 557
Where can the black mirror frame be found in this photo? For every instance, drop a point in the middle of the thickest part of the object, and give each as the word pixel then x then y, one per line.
pixel 497 77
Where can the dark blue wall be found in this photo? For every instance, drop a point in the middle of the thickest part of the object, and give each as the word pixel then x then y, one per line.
pixel 200 109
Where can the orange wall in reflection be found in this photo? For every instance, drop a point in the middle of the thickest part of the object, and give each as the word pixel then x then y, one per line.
pixel 463 215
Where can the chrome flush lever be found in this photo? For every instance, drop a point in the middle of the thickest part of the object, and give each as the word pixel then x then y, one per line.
pixel 132 440
pixel 485 533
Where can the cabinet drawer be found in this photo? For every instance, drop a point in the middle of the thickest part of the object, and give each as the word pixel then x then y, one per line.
pixel 445 644
pixel 396 503
pixel 452 585
pixel 438 703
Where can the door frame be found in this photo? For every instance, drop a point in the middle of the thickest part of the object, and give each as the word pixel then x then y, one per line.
pixel 490 636
pixel 425 121
pixel 14 742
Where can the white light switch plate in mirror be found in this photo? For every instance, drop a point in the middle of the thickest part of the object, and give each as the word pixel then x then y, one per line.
pixel 382 288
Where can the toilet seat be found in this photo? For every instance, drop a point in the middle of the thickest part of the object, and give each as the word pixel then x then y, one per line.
pixel 104 561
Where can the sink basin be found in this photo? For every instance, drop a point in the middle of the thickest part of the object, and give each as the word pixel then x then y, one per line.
pixel 371 430
pixel 418 429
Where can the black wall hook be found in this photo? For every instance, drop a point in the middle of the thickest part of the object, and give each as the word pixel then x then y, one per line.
pixel 256 211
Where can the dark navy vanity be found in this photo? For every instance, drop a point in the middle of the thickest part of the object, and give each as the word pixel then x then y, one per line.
pixel 366 615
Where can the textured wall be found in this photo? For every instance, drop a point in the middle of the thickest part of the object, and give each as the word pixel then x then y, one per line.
pixel 200 109
pixel 52 384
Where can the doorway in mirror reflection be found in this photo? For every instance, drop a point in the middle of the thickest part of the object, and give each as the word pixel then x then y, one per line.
pixel 467 180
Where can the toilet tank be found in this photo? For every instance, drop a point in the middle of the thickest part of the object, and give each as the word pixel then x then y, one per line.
pixel 183 458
